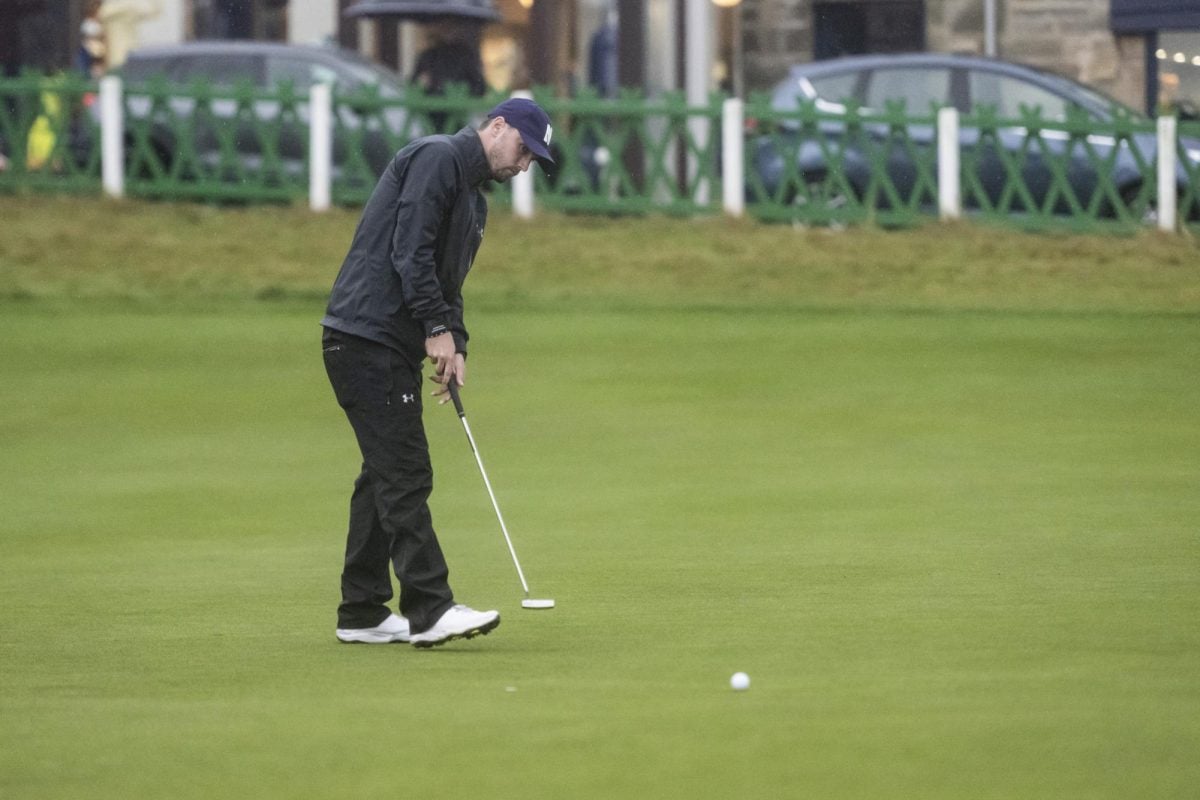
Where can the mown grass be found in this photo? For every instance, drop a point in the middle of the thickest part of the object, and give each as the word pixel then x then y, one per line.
pixel 55 247
pixel 946 522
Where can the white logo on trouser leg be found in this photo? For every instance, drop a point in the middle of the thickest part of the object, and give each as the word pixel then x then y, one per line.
pixel 408 398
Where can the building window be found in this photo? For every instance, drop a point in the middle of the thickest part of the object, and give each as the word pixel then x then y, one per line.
pixel 1178 60
pixel 878 26
pixel 265 20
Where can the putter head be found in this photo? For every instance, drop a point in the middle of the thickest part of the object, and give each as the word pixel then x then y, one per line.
pixel 536 604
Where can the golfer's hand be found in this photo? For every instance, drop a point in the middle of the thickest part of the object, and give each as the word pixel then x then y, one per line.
pixel 440 350
pixel 447 364
pixel 459 376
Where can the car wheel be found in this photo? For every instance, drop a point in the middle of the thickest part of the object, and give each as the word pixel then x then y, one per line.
pixel 138 168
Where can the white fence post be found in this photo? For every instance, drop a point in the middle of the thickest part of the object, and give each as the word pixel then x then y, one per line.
pixel 698 58
pixel 949 172
pixel 320 147
pixel 733 144
pixel 112 137
pixel 522 182
pixel 1166 173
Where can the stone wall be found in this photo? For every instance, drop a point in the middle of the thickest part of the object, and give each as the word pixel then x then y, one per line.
pixel 775 34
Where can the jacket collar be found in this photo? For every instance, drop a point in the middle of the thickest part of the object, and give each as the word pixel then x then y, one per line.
pixel 475 160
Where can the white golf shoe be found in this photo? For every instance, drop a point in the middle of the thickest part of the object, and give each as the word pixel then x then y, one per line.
pixel 459 622
pixel 392 629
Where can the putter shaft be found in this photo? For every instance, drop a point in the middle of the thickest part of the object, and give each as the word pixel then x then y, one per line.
pixel 453 387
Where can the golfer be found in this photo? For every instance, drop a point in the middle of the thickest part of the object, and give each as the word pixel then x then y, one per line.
pixel 397 301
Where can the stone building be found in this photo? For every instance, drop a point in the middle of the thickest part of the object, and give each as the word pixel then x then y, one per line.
pixel 1144 52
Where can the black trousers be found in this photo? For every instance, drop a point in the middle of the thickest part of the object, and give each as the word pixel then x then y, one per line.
pixel 380 391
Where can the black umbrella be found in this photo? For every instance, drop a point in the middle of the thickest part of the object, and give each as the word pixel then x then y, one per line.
pixel 425 10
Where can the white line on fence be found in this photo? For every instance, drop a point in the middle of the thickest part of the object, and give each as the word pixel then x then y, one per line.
pixel 949 172
pixel 733 122
pixel 320 147
pixel 1166 173
pixel 522 182
pixel 112 137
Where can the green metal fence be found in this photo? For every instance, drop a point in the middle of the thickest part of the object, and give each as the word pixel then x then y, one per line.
pixel 851 164
pixel 44 142
pixel 633 154
pixel 814 166
pixel 215 143
pixel 628 155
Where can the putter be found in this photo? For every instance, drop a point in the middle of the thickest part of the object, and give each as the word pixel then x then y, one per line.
pixel 458 406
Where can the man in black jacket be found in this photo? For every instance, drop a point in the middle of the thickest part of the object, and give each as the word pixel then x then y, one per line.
pixel 397 301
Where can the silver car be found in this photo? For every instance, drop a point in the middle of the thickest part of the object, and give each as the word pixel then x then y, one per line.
pixel 1009 168
pixel 222 138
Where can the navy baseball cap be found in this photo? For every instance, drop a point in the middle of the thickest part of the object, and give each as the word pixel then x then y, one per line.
pixel 532 122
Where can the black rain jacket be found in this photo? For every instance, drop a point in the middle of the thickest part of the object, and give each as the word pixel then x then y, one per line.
pixel 402 279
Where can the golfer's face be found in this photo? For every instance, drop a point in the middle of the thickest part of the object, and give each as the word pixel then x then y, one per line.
pixel 508 154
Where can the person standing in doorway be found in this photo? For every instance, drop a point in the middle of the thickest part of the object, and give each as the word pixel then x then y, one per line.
pixel 92 55
pixel 397 301
pixel 452 59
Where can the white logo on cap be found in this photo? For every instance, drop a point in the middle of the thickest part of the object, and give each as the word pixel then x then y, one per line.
pixel 549 131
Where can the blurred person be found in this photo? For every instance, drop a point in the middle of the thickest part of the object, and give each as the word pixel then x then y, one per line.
pixel 92 49
pixel 452 58
pixel 121 19
pixel 602 58
pixel 397 300
pixel 45 131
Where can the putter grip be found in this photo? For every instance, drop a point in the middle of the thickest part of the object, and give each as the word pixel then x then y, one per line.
pixel 453 387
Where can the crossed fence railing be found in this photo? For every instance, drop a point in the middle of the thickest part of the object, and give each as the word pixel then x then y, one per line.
pixel 626 155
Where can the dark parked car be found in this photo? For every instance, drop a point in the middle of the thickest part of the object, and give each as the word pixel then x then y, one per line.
pixel 926 80
pixel 263 66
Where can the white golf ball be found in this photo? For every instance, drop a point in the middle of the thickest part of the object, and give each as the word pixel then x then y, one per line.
pixel 740 681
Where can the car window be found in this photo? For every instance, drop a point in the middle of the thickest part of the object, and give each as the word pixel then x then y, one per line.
pixel 224 69
pixel 365 73
pixel 920 88
pixel 1099 104
pixel 302 74
pixel 836 88
pixel 137 70
pixel 1008 95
